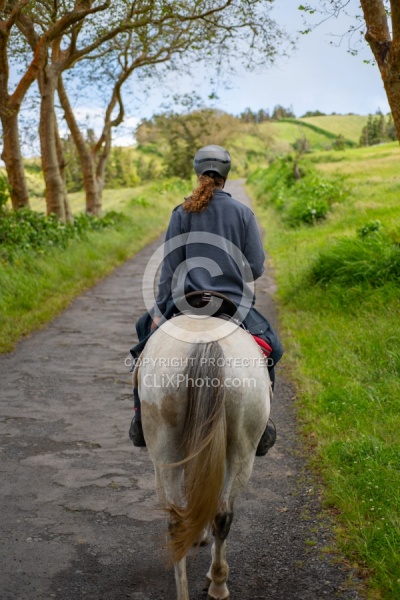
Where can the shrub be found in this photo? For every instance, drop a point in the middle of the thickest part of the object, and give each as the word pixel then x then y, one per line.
pixel 28 231
pixel 305 210
pixel 366 259
pixel 370 227
pixel 273 183
pixel 305 200
pixel 139 201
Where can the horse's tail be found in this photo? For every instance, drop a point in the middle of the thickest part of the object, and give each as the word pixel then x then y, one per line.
pixel 204 441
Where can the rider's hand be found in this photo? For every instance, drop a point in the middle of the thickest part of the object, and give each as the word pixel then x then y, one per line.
pixel 155 322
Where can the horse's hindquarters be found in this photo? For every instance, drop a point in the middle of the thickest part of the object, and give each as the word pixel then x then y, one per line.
pixel 210 415
pixel 164 380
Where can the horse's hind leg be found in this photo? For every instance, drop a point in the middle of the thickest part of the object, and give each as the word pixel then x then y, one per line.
pixel 182 590
pixel 169 488
pixel 181 580
pixel 219 570
pixel 237 475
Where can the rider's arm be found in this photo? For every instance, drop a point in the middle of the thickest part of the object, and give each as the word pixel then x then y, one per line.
pixel 253 250
pixel 174 255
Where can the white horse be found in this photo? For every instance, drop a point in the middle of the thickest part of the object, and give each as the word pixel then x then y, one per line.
pixel 205 404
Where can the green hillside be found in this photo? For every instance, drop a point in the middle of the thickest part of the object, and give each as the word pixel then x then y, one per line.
pixel 254 144
pixel 349 126
pixel 288 131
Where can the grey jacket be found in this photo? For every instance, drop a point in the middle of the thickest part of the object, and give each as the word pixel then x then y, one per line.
pixel 230 221
pixel 218 249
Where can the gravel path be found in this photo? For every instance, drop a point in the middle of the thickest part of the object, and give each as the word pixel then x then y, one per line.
pixel 79 517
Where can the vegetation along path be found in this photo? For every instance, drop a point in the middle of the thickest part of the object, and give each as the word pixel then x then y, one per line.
pixel 79 515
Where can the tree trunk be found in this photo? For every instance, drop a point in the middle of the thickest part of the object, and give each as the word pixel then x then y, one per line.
pixel 93 191
pixel 61 162
pixel 12 158
pixel 386 49
pixel 55 187
pixel 392 88
pixel 9 110
pixel 102 157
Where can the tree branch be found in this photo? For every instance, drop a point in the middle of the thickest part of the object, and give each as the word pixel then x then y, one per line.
pixel 127 25
pixel 69 115
pixel 26 27
pixel 71 18
pixel 42 44
pixel 16 7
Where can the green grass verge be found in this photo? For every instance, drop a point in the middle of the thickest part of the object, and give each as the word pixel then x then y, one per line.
pixel 37 287
pixel 343 344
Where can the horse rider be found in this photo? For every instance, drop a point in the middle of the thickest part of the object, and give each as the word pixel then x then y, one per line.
pixel 211 210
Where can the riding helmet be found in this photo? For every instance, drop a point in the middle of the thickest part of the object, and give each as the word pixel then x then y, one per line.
pixel 212 158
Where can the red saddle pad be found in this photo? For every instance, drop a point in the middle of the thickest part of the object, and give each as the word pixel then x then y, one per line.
pixel 266 348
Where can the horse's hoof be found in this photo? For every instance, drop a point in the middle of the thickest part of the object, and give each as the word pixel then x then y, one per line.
pixel 207 584
pixel 217 592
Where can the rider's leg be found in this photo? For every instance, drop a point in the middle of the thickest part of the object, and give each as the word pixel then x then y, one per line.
pixel 258 325
pixel 268 438
pixel 143 331
pixel 135 429
pixel 271 371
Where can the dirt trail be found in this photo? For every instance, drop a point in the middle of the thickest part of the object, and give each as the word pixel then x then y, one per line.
pixel 78 517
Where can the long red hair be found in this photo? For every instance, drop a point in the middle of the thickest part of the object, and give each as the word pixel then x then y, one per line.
pixel 202 194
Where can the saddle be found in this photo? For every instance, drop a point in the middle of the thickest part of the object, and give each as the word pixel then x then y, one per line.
pixel 208 304
pixel 215 304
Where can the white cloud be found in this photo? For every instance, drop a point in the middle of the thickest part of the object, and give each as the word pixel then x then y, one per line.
pixel 93 117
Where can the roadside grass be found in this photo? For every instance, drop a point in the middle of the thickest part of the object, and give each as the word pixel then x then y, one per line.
pixel 343 346
pixel 36 287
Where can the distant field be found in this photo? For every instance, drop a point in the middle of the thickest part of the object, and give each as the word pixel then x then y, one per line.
pixel 290 132
pixel 350 126
pixel 282 135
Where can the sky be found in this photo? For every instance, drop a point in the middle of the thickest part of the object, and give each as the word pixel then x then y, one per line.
pixel 318 75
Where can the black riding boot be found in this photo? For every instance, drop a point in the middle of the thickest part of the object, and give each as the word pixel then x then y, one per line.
pixel 136 430
pixel 268 438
